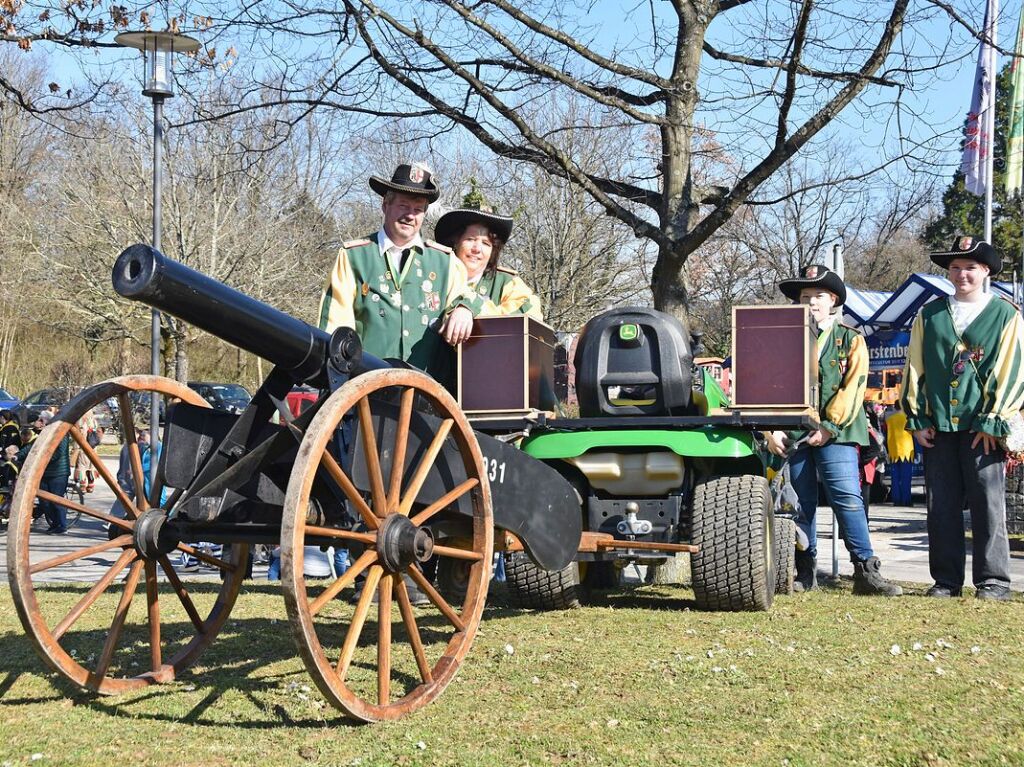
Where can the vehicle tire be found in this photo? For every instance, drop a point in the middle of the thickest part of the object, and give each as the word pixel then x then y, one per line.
pixel 732 525
pixel 535 588
pixel 784 544
pixel 453 578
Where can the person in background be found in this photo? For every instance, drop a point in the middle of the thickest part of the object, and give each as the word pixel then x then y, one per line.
pixel 870 458
pixel 10 434
pixel 962 384
pixel 54 479
pixel 900 445
pixel 9 468
pixel 478 235
pixel 830 452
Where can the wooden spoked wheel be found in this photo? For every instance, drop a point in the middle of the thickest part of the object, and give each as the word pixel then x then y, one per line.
pixel 100 642
pixel 382 661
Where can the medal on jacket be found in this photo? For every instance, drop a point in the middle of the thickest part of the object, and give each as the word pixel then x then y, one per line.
pixel 365 290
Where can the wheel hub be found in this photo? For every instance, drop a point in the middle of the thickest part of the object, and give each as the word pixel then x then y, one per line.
pixel 400 543
pixel 153 537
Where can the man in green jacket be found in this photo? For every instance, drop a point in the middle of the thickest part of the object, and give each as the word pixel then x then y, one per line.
pixel 406 297
pixel 963 382
pixel 830 452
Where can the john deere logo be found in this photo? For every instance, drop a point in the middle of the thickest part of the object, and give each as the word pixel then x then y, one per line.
pixel 629 332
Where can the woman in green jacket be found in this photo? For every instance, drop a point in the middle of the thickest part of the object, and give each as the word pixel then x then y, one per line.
pixel 478 236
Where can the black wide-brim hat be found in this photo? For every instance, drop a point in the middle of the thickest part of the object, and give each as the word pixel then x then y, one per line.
pixel 454 223
pixel 972 248
pixel 408 179
pixel 814 276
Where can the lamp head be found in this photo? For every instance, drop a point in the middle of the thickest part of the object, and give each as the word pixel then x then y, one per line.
pixel 158 48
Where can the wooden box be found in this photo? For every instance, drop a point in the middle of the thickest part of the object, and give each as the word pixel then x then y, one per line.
pixel 507 365
pixel 774 358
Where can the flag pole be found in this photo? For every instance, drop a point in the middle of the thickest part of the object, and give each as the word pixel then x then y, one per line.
pixel 990 123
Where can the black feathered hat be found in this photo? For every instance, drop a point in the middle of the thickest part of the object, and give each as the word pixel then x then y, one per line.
pixel 814 276
pixel 454 222
pixel 972 248
pixel 408 179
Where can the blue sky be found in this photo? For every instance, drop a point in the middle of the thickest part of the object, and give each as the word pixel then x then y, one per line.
pixel 940 105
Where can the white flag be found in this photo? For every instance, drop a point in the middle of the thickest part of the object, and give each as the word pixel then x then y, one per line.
pixel 977 141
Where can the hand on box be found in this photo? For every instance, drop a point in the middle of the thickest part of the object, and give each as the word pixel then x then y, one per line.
pixel 458 325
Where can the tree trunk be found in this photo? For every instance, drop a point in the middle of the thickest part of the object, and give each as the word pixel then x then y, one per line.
pixel 181 352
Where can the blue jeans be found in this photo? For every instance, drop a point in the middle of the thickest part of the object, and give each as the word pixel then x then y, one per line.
pixel 837 468
pixel 55 514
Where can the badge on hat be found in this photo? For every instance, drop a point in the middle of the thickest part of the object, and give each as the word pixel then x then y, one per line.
pixel 811 273
pixel 416 174
pixel 965 243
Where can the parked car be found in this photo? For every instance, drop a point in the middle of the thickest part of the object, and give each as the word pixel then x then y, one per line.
pixel 7 400
pixel 233 398
pixel 29 408
pixel 301 397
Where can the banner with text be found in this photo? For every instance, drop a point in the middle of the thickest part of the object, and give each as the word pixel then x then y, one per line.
pixel 887 349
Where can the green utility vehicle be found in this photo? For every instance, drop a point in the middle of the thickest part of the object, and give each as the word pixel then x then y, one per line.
pixel 661 465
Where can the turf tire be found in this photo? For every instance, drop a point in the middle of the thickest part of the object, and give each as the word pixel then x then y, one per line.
pixel 784 544
pixel 732 524
pixel 534 588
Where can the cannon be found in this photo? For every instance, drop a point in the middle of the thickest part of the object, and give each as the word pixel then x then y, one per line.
pixel 384 464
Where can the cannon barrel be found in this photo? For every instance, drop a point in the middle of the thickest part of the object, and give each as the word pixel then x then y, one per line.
pixel 143 274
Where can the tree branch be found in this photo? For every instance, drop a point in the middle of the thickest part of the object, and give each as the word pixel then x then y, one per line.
pixel 780 153
pixel 543 153
pixel 802 69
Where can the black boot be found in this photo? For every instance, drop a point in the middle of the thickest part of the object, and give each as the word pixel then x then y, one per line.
pixel 868 580
pixel 806 577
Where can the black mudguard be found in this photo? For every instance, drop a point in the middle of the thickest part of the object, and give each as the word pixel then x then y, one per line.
pixel 530 499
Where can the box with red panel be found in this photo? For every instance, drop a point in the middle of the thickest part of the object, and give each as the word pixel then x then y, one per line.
pixel 774 359
pixel 506 366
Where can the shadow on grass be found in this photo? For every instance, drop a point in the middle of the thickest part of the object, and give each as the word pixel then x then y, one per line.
pixel 231 664
pixel 236 660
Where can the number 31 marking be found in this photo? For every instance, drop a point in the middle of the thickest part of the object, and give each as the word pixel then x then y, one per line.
pixel 495 471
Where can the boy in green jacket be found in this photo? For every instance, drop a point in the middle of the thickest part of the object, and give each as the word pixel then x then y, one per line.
pixel 830 454
pixel 963 381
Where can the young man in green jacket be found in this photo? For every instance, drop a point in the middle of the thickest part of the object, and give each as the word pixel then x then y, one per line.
pixel 963 381
pixel 830 454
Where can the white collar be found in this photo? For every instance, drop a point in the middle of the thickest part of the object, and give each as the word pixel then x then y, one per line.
pixel 828 324
pixel 386 244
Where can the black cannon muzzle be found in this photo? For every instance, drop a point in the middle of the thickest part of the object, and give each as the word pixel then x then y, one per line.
pixel 143 274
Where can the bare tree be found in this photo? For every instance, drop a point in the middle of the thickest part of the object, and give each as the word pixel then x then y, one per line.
pixel 491 68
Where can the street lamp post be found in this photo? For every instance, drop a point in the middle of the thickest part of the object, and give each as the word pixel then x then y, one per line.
pixel 158 49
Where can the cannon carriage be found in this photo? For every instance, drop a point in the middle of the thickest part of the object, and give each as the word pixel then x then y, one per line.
pixel 387 465
pixel 384 464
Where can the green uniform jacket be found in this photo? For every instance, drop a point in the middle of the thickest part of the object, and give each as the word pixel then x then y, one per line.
pixel 397 316
pixel 505 294
pixel 842 380
pixel 973 382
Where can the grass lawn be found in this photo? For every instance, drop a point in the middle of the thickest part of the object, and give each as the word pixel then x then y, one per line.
pixel 640 679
